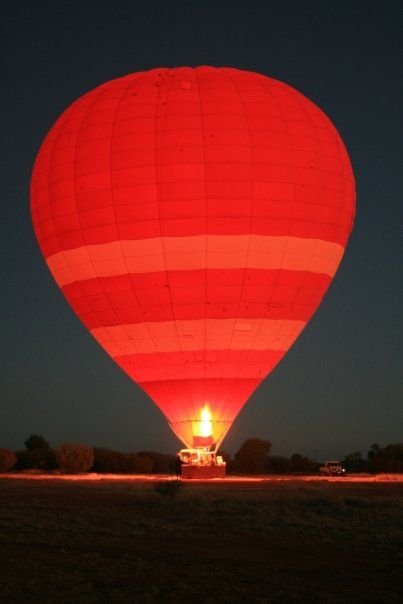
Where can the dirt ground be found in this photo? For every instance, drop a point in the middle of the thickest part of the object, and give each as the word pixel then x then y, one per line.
pixel 272 541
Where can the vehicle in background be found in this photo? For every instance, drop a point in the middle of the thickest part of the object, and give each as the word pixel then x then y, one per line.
pixel 332 468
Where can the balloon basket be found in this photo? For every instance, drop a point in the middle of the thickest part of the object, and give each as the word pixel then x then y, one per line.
pixel 198 472
pixel 201 463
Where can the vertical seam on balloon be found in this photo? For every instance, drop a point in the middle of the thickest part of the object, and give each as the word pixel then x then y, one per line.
pixel 309 120
pixel 233 82
pixel 157 177
pixel 132 81
pixel 74 162
pixel 214 401
pixel 74 167
pixel 76 197
pixel 344 159
pixel 104 89
pixel 57 135
pixel 224 403
pixel 247 351
pixel 68 112
pixel 314 127
pixel 265 82
pixel 205 236
pixel 257 332
pixel 34 189
pixel 180 402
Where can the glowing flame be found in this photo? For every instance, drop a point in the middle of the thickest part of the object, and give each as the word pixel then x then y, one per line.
pixel 206 426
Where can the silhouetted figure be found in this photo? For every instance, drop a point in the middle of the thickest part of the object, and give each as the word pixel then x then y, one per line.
pixel 178 467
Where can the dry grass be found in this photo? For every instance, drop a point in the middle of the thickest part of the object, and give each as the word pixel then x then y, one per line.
pixel 124 541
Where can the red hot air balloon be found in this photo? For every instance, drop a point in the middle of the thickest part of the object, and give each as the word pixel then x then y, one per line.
pixel 194 219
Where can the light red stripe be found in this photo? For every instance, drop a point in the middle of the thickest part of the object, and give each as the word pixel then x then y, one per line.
pixel 198 335
pixel 195 365
pixel 192 253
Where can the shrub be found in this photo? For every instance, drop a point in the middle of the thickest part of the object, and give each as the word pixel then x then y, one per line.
pixel 8 460
pixel 278 465
pixel 299 463
pixel 145 464
pixel 161 463
pixel 41 459
pixel 74 458
pixel 107 461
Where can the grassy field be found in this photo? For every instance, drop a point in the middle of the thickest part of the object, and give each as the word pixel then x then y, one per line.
pixel 123 541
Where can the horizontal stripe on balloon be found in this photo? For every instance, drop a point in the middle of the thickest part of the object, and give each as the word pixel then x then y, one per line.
pixel 300 311
pixel 200 294
pixel 197 252
pixel 204 364
pixel 198 335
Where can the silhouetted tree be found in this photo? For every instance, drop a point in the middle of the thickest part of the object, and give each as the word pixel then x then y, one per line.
pixel 252 456
pixel 38 454
pixel 387 459
pixel 8 460
pixel 373 450
pixel 226 456
pixel 353 462
pixel 300 463
pixel 35 441
pixel 74 458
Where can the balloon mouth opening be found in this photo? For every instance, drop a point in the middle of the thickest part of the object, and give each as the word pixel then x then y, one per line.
pixel 202 428
pixel 203 431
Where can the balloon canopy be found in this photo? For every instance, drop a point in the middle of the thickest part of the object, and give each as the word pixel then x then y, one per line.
pixel 194 218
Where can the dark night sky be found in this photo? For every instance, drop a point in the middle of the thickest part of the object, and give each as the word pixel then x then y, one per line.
pixel 339 388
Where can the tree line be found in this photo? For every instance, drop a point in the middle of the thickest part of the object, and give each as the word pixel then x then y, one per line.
pixel 73 458
pixel 253 457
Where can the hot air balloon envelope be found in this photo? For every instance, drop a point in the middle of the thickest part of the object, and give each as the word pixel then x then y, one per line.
pixel 194 218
